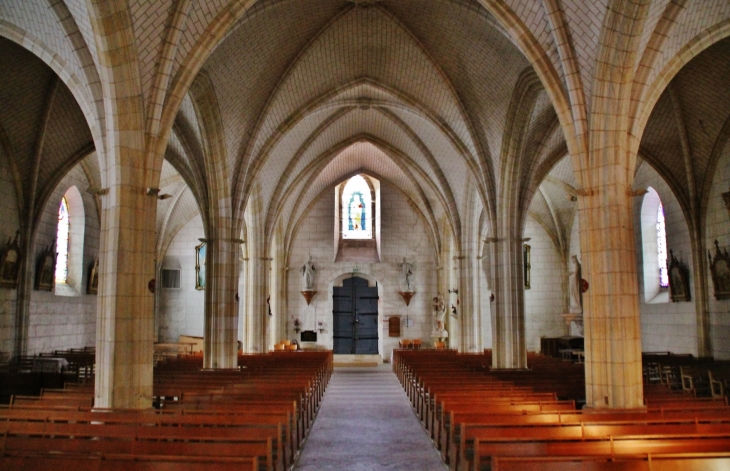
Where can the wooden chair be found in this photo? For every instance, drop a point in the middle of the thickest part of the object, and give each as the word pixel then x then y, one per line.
pixel 405 343
pixel 439 345
pixel 416 344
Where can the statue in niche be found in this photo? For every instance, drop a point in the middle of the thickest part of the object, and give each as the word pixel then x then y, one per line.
pixel 438 307
pixel 308 275
pixel 574 288
pixel 406 271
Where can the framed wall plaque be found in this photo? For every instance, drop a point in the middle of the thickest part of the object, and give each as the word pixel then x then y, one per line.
pixel 46 269
pixel 720 271
pixel 394 326
pixel 10 264
pixel 678 280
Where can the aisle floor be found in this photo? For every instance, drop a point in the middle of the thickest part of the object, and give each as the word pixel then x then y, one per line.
pixel 366 422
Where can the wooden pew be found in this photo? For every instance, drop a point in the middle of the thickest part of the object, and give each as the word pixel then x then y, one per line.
pixel 640 462
pixel 607 447
pixel 77 438
pixel 114 462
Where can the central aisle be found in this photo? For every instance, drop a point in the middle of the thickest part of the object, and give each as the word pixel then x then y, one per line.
pixel 365 423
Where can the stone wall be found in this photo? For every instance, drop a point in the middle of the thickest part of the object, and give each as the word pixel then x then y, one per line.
pixel 545 301
pixel 665 325
pixel 181 311
pixel 403 234
pixel 69 321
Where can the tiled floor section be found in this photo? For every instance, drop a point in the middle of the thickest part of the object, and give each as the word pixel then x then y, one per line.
pixel 365 423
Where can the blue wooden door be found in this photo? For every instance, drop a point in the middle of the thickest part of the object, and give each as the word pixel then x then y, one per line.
pixel 355 317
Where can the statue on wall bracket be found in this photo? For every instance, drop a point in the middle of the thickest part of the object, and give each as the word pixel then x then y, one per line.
pixel 10 263
pixel 720 270
pixel 678 280
pixel 406 276
pixel 438 307
pixel 307 271
pixel 574 287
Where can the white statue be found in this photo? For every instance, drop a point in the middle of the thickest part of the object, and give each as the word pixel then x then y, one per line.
pixel 308 275
pixel 574 281
pixel 439 313
pixel 406 271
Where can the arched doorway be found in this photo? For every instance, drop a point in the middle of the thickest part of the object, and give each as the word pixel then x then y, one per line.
pixel 355 317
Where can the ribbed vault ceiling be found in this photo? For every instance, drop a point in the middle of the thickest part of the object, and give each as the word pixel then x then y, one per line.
pixel 414 92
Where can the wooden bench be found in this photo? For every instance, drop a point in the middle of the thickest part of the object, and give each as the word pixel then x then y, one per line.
pixel 613 447
pixel 116 462
pixel 639 462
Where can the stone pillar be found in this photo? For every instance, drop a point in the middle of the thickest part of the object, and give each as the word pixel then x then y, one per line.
pixel 611 304
pixel 508 327
pixel 220 348
pixel 256 307
pixel 125 319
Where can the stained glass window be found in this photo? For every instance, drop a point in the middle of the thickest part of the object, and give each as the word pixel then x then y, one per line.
pixel 64 227
pixel 661 237
pixel 357 210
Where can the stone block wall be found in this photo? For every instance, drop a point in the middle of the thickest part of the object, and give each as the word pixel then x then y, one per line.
pixel 182 311
pixel 545 301
pixel 60 322
pixel 665 326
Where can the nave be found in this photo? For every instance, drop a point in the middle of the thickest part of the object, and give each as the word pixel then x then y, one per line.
pixel 365 423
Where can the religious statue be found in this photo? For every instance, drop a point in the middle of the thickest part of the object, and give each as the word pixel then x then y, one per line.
pixel 439 312
pixel 308 275
pixel 406 271
pixel 574 291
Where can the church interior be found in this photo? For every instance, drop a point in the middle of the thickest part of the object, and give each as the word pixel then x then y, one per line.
pixel 367 182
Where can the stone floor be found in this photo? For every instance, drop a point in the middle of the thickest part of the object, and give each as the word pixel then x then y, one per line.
pixel 366 423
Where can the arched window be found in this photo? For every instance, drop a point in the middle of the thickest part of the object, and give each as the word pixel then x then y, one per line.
pixel 64 228
pixel 70 244
pixel 654 248
pixel 357 210
pixel 661 237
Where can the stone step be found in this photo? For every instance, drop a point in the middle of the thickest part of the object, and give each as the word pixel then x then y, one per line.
pixel 357 360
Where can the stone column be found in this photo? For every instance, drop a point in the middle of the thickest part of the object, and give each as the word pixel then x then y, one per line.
pixel 611 304
pixel 125 319
pixel 256 308
pixel 508 327
pixel 221 314
pixel 611 316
